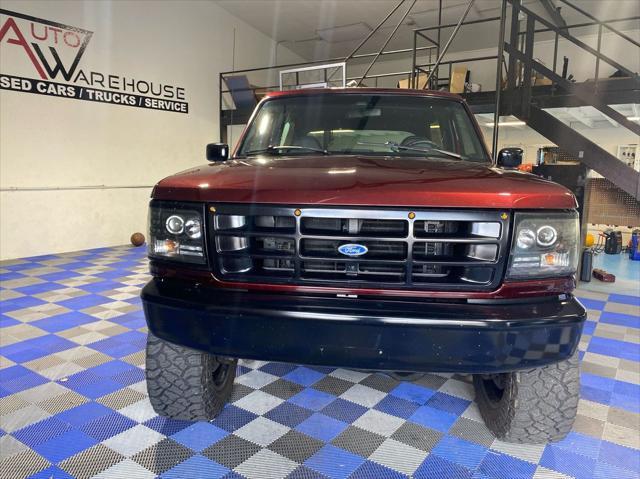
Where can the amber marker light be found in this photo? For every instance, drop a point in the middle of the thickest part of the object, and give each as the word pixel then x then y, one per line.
pixel 412 215
pixel 297 212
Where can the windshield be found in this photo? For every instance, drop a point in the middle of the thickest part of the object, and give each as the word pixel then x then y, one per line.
pixel 398 125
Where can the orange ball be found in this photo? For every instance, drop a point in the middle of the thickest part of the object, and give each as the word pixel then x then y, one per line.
pixel 589 240
pixel 137 239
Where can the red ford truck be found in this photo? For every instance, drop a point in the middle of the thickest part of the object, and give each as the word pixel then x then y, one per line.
pixel 367 229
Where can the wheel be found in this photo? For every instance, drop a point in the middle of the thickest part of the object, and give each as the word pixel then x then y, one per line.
pixel 532 406
pixel 184 383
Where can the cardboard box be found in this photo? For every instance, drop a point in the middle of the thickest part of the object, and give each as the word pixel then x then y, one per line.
pixel 458 77
pixel 420 83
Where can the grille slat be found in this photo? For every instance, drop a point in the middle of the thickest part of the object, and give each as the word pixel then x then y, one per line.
pixel 432 249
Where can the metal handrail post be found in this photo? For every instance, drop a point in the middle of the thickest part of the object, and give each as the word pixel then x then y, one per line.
pixel 598 58
pixel 446 47
pixel 439 41
pixel 496 115
pixel 413 60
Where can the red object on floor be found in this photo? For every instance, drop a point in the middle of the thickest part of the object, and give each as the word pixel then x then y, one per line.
pixel 602 275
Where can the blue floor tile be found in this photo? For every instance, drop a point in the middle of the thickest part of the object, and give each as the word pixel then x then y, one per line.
pixel 334 462
pixel 321 427
pixel 199 436
pixel 303 376
pixel 397 407
pixel 615 348
pixel 571 463
pixel 196 467
pixel 20 303
pixel 312 399
pixel 64 446
pixel 342 410
pixel 412 392
pixel 232 418
pixel 626 320
pixel 51 472
pixel 448 403
pixel 459 451
pixel 625 299
pixel 370 470
pixel 435 467
pixel 288 414
pixel 502 466
pixel 433 418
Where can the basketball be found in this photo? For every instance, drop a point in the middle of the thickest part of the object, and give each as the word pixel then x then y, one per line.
pixel 137 239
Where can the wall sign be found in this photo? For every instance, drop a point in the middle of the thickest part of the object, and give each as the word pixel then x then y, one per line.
pixel 46 57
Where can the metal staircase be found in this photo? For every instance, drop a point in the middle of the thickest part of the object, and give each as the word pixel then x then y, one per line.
pixel 522 99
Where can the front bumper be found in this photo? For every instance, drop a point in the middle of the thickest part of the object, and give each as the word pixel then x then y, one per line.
pixel 375 334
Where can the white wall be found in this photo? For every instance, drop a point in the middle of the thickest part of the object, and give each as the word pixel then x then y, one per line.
pixel 64 144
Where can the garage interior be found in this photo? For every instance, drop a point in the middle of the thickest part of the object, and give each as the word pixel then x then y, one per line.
pixel 556 78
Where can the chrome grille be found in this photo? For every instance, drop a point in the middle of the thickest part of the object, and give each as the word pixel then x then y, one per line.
pixel 405 249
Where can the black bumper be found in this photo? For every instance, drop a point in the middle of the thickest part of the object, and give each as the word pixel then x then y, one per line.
pixel 396 335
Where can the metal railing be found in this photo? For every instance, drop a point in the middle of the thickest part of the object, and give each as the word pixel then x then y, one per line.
pixel 522 64
pixel 517 71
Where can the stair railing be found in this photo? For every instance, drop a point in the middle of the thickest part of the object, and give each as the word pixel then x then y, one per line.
pixel 529 65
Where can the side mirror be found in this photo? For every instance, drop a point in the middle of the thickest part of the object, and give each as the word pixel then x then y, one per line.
pixel 510 157
pixel 217 152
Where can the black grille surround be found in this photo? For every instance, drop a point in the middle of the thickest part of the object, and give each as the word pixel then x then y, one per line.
pixel 408 249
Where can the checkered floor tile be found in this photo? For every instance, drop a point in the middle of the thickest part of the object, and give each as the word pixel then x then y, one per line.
pixel 73 400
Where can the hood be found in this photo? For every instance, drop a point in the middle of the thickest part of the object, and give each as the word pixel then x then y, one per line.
pixel 363 181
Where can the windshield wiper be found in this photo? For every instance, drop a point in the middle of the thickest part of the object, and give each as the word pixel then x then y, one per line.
pixel 274 149
pixel 393 146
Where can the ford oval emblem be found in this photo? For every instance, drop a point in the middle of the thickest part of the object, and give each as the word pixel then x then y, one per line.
pixel 353 249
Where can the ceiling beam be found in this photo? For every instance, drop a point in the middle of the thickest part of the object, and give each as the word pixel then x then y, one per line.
pixel 554 13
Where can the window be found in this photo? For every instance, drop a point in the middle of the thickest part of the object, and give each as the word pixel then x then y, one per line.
pixel 353 123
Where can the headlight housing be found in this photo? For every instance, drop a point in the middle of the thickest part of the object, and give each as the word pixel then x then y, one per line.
pixel 176 232
pixel 544 245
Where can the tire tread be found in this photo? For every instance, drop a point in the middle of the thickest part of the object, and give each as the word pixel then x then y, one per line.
pixel 180 381
pixel 539 405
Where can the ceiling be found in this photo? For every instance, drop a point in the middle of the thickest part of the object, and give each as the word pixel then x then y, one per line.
pixel 323 29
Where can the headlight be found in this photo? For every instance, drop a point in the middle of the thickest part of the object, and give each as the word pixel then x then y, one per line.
pixel 545 245
pixel 526 238
pixel 546 236
pixel 175 224
pixel 175 231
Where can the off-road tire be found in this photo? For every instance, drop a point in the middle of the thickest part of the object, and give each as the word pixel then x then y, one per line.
pixel 533 406
pixel 184 383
